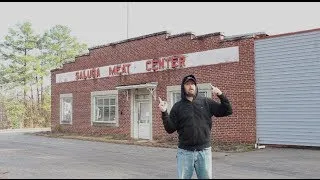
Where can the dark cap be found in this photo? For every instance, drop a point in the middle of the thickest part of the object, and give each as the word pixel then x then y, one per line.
pixel 190 77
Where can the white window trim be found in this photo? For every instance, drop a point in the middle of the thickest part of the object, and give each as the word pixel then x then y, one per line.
pixel 110 93
pixel 60 108
pixel 173 89
pixel 206 87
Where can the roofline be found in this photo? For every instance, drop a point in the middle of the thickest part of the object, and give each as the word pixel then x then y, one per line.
pixel 180 35
pixel 208 35
pixel 169 36
pixel 244 36
pixel 130 39
pixel 291 33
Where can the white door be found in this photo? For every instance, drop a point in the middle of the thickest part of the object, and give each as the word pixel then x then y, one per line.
pixel 144 116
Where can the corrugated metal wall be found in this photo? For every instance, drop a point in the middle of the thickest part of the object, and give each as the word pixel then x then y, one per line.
pixel 287 74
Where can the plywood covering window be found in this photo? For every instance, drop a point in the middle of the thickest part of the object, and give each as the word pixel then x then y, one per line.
pixel 65 108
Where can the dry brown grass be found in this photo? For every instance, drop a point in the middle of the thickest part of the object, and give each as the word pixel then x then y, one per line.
pixel 217 147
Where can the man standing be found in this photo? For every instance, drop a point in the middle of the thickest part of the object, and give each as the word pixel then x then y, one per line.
pixel 191 118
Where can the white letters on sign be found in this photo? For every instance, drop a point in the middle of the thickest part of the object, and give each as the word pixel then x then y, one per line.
pixel 215 56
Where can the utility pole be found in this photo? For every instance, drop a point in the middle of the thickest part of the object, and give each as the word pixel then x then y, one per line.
pixel 127 20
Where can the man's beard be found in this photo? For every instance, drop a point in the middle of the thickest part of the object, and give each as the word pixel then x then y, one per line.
pixel 189 94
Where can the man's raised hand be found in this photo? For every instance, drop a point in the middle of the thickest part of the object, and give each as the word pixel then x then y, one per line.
pixel 215 90
pixel 162 105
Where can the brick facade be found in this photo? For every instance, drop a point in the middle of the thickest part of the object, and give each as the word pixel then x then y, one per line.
pixel 235 79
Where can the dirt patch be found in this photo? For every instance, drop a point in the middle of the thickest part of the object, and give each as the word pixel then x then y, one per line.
pixel 217 147
pixel 227 147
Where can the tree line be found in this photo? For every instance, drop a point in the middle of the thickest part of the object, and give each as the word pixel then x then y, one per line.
pixel 26 59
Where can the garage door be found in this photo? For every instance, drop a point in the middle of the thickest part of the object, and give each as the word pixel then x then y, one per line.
pixel 287 73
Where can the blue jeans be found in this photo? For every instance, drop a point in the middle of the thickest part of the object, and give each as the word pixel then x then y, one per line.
pixel 201 161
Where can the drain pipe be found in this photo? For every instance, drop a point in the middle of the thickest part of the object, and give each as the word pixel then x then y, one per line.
pixel 257 146
pixel 257 143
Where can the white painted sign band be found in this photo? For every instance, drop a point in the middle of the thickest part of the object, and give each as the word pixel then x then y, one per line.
pixel 210 57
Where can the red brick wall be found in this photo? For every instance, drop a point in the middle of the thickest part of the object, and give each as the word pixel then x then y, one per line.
pixel 235 79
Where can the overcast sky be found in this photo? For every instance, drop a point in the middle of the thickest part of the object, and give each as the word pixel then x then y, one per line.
pixel 98 23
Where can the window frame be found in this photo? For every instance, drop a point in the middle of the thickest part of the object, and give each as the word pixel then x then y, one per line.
pixel 111 94
pixel 203 87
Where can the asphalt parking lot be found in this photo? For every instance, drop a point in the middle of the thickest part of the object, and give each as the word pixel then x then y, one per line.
pixel 29 156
